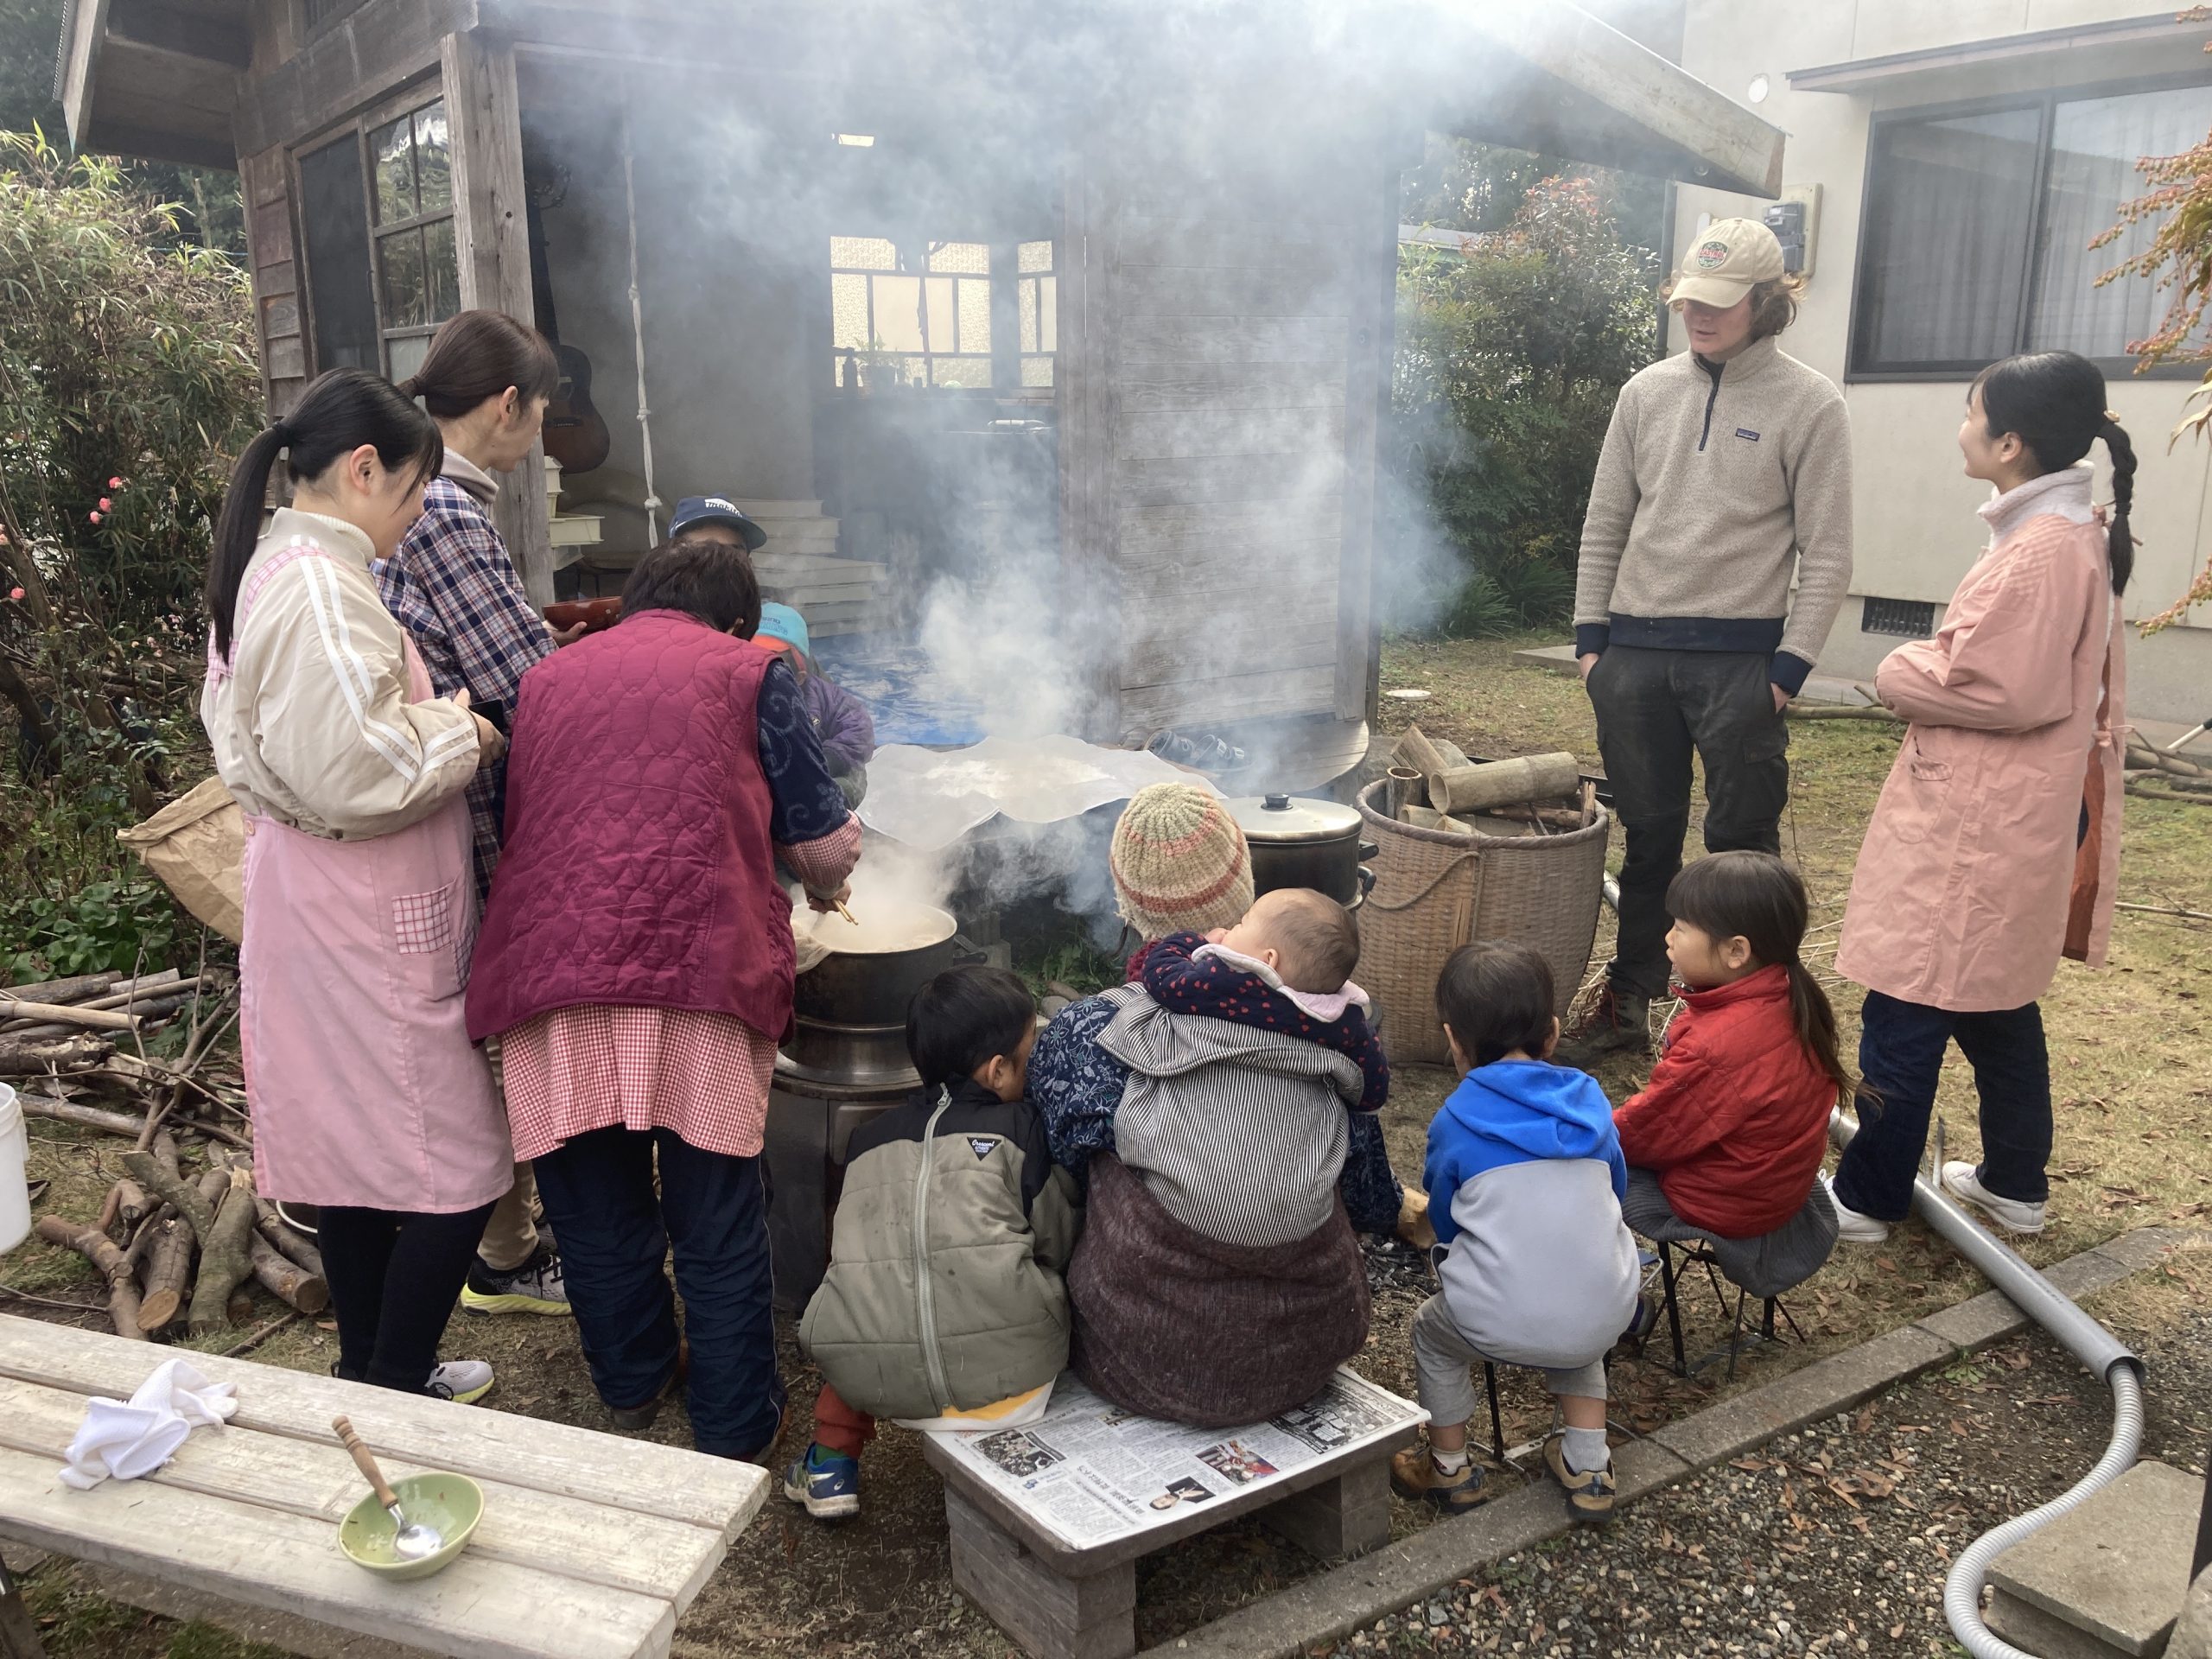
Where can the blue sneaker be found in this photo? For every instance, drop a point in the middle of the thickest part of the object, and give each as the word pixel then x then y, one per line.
pixel 827 1483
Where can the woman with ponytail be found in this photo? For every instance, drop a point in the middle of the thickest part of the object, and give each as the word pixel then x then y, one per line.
pixel 1726 1140
pixel 1995 846
pixel 368 1100
pixel 486 382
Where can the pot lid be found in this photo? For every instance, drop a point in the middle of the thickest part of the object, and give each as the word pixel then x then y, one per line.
pixel 1277 819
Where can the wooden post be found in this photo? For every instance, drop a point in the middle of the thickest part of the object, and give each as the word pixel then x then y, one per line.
pixel 492 240
pixel 1084 378
pixel 1367 400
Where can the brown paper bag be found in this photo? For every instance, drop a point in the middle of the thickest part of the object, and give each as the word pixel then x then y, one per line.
pixel 196 844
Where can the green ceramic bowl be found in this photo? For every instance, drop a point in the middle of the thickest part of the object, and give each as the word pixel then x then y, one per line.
pixel 452 1503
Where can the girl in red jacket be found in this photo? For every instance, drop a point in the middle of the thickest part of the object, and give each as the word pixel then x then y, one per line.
pixel 1726 1140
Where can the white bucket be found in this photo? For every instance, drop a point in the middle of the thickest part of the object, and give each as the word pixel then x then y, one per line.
pixel 15 1184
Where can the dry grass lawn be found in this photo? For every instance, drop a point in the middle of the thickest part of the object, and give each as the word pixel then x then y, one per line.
pixel 2130 1046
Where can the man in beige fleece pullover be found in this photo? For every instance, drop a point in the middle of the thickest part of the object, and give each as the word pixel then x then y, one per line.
pixel 1725 469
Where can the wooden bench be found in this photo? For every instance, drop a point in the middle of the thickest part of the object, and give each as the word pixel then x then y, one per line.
pixel 1057 1600
pixel 589 1548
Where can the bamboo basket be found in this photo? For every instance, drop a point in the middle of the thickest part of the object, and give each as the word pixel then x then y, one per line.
pixel 1435 891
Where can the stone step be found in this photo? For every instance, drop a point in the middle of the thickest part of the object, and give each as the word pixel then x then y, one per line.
pixel 2105 1581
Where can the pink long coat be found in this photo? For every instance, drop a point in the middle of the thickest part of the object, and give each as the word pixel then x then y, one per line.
pixel 1970 884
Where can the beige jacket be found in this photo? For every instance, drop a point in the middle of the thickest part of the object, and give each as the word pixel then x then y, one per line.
pixel 310 718
pixel 1712 491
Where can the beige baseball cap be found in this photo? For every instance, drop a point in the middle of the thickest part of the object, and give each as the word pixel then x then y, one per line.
pixel 1726 260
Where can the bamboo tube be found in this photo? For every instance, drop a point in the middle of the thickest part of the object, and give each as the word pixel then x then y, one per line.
pixel 1505 783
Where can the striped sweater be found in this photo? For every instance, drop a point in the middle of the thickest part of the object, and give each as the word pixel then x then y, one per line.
pixel 1238 1132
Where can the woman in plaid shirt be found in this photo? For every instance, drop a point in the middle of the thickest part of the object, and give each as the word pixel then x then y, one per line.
pixel 453 586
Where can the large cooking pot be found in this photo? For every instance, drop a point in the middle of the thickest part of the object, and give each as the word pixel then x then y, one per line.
pixel 876 962
pixel 1297 843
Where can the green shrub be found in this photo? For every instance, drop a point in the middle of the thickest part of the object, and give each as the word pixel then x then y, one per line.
pixel 127 375
pixel 1510 356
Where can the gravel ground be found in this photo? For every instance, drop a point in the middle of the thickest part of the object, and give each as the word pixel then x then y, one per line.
pixel 1833 1541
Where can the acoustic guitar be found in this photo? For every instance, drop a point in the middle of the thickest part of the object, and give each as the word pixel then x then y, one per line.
pixel 575 435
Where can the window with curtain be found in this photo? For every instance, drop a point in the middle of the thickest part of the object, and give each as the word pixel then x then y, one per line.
pixel 1979 225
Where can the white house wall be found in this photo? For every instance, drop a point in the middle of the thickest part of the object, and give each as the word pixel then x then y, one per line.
pixel 1916 527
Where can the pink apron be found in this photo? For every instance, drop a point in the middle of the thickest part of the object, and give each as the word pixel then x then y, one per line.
pixel 364 1086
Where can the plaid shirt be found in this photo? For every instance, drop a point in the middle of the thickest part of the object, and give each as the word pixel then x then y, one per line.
pixel 453 586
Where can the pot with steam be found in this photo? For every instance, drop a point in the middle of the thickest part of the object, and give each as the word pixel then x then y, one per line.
pixel 1305 843
pixel 876 963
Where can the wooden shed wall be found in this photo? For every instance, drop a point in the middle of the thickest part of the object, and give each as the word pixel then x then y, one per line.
pixel 1233 338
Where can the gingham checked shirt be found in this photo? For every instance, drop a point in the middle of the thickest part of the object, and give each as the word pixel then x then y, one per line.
pixel 705 1076
pixel 454 588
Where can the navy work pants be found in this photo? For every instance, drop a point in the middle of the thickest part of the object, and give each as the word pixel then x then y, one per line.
pixel 1900 1047
pixel 616 1231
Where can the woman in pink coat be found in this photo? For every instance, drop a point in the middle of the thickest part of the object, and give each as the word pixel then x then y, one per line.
pixel 1995 845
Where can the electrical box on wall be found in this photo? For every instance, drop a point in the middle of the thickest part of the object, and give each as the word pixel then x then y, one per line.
pixel 1796 222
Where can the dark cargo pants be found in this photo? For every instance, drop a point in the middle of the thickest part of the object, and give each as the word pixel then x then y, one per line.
pixel 1655 709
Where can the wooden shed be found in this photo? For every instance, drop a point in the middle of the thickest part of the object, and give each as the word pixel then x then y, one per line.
pixel 1101 291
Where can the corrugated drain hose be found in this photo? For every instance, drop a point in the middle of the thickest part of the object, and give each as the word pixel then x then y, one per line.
pixel 1962 1588
pixel 2082 1337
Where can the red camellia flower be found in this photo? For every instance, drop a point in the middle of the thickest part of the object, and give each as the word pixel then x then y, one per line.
pixel 106 505
pixel 94 517
pixel 115 483
pixel 15 592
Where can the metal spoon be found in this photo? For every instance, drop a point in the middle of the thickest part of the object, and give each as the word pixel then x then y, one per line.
pixel 411 1540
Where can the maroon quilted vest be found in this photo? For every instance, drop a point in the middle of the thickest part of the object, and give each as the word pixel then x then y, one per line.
pixel 638 869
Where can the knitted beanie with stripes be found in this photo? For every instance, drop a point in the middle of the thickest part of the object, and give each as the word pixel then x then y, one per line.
pixel 1179 861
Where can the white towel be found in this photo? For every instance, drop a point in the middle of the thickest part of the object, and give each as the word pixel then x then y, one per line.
pixel 127 1440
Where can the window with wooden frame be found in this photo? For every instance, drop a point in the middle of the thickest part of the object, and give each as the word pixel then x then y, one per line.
pixel 917 317
pixel 1038 290
pixel 377 229
pixel 923 316
pixel 1975 240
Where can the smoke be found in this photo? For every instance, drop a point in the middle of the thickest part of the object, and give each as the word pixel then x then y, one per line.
pixel 1236 160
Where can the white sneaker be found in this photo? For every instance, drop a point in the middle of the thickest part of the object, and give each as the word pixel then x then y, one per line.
pixel 462 1381
pixel 1852 1227
pixel 1963 1180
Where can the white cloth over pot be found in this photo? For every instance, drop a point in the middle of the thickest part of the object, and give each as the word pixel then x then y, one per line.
pixel 928 798
pixel 129 1438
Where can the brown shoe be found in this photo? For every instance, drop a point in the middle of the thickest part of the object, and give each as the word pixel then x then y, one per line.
pixel 1589 1495
pixel 1414 1474
pixel 1413 1225
pixel 640 1417
pixel 1619 1024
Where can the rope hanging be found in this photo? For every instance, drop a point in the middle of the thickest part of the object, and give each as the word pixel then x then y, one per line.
pixel 652 502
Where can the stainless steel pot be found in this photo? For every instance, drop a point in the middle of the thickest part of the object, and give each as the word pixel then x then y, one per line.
pixel 1297 843
pixel 868 987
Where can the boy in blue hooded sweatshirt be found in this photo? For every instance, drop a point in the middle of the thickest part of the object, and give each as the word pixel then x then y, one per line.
pixel 1525 1179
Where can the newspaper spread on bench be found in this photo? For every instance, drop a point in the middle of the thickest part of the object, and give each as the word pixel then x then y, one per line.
pixel 1089 1473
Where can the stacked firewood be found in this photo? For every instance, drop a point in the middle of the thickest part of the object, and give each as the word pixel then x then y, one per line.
pixel 179 1238
pixel 79 1024
pixel 178 1249
pixel 2164 776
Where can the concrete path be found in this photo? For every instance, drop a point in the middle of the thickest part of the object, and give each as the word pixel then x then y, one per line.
pixel 1332 1604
